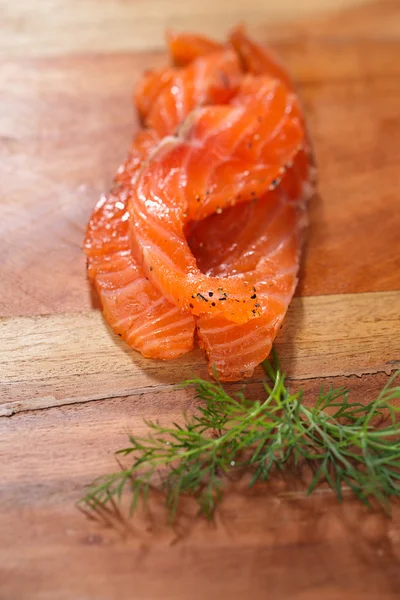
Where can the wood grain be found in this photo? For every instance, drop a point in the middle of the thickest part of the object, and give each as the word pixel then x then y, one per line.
pixel 353 241
pixel 66 72
pixel 57 27
pixel 273 539
pixel 375 20
pixel 62 108
pixel 64 359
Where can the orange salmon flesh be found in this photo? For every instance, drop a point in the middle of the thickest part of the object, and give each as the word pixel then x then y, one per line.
pixel 199 240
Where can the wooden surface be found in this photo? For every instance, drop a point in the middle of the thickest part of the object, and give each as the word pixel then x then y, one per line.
pixel 70 391
pixel 78 111
pixel 89 362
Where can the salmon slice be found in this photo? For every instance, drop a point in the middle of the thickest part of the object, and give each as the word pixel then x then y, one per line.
pixel 211 79
pixel 184 48
pixel 260 60
pixel 132 306
pixel 257 59
pixel 216 73
pixel 221 240
pixel 223 155
pixel 108 229
pixel 207 205
pixel 261 241
pixel 150 87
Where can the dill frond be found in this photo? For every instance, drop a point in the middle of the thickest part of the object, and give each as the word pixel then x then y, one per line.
pixel 348 445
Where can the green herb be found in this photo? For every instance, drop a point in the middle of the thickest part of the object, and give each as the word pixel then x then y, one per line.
pixel 348 445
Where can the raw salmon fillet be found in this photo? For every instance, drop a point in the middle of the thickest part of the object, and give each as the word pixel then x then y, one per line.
pixel 202 230
pixel 132 306
pixel 186 47
pixel 261 241
pixel 224 155
pixel 210 79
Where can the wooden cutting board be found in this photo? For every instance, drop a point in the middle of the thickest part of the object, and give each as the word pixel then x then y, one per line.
pixel 70 391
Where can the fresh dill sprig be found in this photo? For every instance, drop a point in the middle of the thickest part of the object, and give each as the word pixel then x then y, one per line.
pixel 347 444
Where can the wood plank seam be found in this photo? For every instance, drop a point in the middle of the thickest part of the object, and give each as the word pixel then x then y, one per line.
pixel 75 358
pixel 49 402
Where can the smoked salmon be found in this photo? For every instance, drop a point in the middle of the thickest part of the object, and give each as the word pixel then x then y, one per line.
pixel 261 241
pixel 184 48
pixel 210 79
pixel 132 306
pixel 224 155
pixel 202 230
